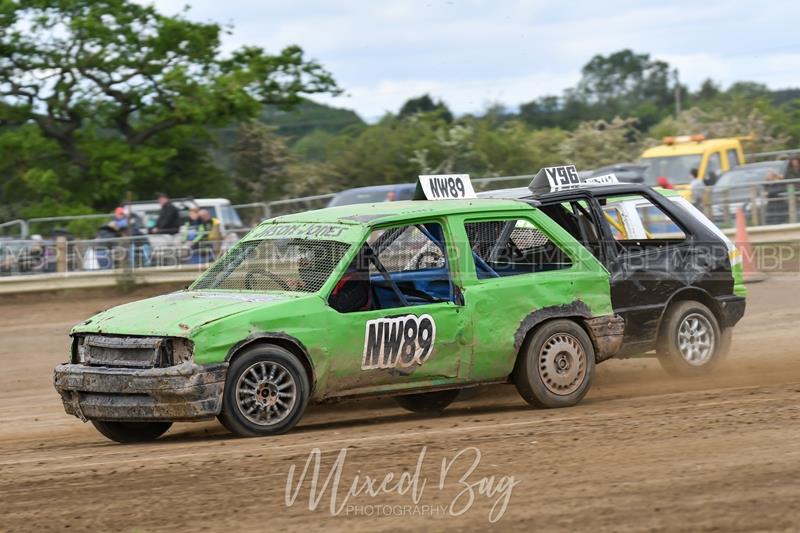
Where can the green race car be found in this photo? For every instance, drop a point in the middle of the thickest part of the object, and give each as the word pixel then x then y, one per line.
pixel 415 299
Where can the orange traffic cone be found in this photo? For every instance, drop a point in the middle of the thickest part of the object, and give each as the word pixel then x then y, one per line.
pixel 749 270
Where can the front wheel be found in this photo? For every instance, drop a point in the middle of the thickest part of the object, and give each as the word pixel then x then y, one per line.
pixel 427 402
pixel 129 432
pixel 691 342
pixel 555 365
pixel 266 392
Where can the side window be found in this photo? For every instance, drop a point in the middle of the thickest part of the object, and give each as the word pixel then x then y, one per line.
pixel 657 224
pixel 733 158
pixel 512 247
pixel 408 248
pixel 713 165
pixel 614 218
pixel 397 267
pixel 657 227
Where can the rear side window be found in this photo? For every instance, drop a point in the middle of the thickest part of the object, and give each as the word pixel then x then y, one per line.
pixel 657 224
pixel 638 220
pixel 713 164
pixel 733 158
pixel 512 247
pixel 614 218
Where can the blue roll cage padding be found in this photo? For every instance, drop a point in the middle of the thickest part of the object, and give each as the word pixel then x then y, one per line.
pixel 439 241
pixel 479 262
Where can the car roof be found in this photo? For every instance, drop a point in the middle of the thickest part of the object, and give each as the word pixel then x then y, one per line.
pixel 618 189
pixel 688 148
pixel 383 212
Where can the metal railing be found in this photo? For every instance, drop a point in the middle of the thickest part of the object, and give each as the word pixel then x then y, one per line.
pixel 21 224
pixel 776 154
pixel 124 254
pixel 764 204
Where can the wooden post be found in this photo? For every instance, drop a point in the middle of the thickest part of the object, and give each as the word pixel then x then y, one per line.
pixel 707 201
pixel 754 210
pixel 61 254
pixel 790 190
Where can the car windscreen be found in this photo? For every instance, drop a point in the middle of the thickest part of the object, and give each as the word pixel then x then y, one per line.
pixel 675 168
pixel 292 264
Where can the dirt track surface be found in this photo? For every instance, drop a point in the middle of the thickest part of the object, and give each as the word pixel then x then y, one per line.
pixel 642 452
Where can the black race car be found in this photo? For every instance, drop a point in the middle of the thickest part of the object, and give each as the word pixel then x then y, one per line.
pixel 675 278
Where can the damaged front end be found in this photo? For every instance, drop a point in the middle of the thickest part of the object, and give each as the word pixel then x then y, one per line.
pixel 135 378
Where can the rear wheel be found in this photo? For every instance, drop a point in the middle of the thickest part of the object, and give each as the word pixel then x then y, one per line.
pixel 427 402
pixel 555 365
pixel 691 342
pixel 266 392
pixel 127 432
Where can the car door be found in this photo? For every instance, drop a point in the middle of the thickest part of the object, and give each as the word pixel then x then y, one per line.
pixel 648 264
pixel 396 314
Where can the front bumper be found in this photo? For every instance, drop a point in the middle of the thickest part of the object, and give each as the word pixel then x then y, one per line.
pixel 182 392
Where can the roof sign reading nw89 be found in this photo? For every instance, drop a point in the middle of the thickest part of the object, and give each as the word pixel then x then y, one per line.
pixel 445 187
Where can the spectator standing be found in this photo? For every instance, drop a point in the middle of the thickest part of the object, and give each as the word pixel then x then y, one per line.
pixel 169 220
pixel 213 230
pixel 196 234
pixel 793 171
pixel 697 188
pixel 777 211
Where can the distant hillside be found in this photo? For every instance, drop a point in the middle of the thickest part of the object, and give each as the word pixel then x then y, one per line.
pixel 309 116
pixel 782 96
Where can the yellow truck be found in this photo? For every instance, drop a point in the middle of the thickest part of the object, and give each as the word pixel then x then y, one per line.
pixel 677 156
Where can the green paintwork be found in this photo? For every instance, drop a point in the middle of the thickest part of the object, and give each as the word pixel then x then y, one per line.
pixel 475 342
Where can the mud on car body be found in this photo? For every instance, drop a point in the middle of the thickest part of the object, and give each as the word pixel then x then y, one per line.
pixel 676 279
pixel 416 300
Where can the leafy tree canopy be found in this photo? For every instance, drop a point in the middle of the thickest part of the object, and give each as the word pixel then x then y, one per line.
pixel 106 82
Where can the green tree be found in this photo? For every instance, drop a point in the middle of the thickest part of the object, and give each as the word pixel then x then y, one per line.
pixel 726 121
pixel 425 104
pixel 625 79
pixel 307 117
pixel 124 92
pixel 260 160
pixel 623 83
pixel 597 143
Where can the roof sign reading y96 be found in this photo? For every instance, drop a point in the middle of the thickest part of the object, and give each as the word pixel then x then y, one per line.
pixel 565 177
pixel 444 187
pixel 556 179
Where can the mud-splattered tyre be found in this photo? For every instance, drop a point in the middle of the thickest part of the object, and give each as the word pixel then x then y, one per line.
pixel 128 432
pixel 266 392
pixel 555 365
pixel 427 402
pixel 691 342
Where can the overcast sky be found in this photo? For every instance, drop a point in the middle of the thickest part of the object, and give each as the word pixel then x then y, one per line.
pixel 472 53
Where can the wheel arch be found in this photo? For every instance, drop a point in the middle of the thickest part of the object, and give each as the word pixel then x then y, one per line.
pixel 283 340
pixel 576 311
pixel 690 294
